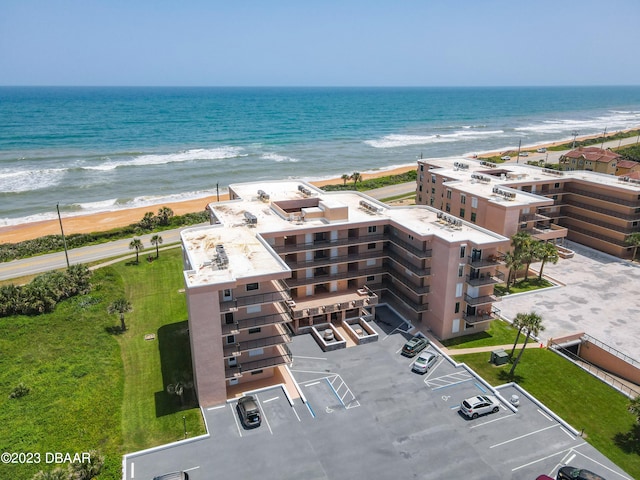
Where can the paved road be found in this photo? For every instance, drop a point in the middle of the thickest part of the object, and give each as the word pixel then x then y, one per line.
pixel 53 261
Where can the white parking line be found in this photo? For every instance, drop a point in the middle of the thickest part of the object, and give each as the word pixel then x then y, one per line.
pixel 568 460
pixel 547 457
pixel 544 415
pixel 569 434
pixel 602 466
pixel 270 399
pixel 235 419
pixel 310 358
pixel 493 420
pixel 216 408
pixel 133 470
pixel 311 384
pixel 524 436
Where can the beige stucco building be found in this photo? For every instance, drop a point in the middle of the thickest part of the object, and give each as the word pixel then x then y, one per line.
pixel 594 209
pixel 285 258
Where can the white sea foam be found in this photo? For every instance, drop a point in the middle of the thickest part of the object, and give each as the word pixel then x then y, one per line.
pixel 615 120
pixel 279 158
pixel 396 140
pixel 219 153
pixel 28 180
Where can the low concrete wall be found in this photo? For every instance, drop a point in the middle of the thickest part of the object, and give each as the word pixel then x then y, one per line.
pixel 605 360
pixel 336 344
pixel 367 333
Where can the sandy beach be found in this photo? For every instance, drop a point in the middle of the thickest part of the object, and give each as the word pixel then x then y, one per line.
pixel 119 218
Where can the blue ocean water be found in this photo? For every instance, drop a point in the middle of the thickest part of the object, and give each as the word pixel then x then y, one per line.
pixel 103 148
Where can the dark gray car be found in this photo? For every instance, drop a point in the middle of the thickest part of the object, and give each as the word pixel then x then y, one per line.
pixel 249 411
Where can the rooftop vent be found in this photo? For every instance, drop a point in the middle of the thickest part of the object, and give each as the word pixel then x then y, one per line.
pixel 221 260
pixel 263 196
pixel 250 218
pixel 304 190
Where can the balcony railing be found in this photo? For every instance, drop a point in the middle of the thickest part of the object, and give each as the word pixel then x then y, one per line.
pixel 322 244
pixel 486 279
pixel 231 350
pixel 284 358
pixel 533 217
pixel 490 261
pixel 330 277
pixel 599 196
pixel 412 304
pixel 247 323
pixel 396 257
pixel 482 300
pixel 262 298
pixel 605 211
pixel 480 317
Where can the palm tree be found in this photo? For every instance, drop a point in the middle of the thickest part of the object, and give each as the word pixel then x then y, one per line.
pixel 89 468
pixel 120 306
pixel 344 178
pixel 164 215
pixel 524 246
pixel 513 263
pixel 533 326
pixel 547 253
pixel 634 408
pixel 55 474
pixel 157 241
pixel 519 323
pixel 356 177
pixel 136 244
pixel 634 241
pixel 147 221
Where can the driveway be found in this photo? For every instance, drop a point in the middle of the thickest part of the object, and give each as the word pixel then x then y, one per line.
pixel 599 297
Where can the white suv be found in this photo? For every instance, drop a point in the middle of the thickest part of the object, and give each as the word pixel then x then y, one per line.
pixel 479 405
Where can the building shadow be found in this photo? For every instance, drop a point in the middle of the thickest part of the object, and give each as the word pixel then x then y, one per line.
pixel 177 371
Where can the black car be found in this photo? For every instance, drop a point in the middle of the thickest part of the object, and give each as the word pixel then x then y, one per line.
pixel 414 346
pixel 573 473
pixel 249 411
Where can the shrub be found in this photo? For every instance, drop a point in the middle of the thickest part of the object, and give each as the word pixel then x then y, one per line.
pixel 19 391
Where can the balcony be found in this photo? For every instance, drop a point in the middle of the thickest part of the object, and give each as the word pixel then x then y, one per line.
pixel 533 217
pixel 322 244
pixel 605 198
pixel 282 357
pixel 247 323
pixel 232 350
pixel 330 277
pixel 486 279
pixel 481 317
pixel 331 302
pixel 552 232
pixel 591 208
pixel 259 299
pixel 404 299
pixel 490 261
pixel 481 300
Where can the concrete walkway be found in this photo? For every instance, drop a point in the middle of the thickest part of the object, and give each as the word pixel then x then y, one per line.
pixel 490 348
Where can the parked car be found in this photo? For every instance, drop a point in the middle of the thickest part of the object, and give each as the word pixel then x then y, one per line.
pixel 506 158
pixel 424 362
pixel 524 154
pixel 249 411
pixel 543 477
pixel 573 473
pixel 414 346
pixel 479 405
pixel 541 150
pixel 173 476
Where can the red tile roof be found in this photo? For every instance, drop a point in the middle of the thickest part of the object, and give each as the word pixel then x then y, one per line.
pixel 627 164
pixel 593 154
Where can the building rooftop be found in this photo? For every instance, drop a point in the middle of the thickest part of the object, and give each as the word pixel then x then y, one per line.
pixel 264 209
pixel 593 154
pixel 468 172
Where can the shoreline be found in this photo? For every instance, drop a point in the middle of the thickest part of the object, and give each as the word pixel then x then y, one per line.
pixel 102 221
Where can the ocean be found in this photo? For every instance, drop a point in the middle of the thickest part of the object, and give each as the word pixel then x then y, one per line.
pixel 93 149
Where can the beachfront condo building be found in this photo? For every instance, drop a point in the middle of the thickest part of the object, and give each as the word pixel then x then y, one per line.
pixel 285 258
pixel 593 209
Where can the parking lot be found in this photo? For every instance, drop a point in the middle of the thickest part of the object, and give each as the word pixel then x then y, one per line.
pixel 365 414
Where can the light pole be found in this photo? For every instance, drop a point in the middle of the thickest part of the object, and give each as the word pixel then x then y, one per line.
pixel 575 134
pixel 64 240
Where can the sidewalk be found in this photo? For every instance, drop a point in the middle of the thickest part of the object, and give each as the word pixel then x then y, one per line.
pixel 490 348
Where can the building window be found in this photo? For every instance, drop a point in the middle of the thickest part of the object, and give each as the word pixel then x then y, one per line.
pixel 420 187
pixel 228 318
pixel 372 229
pixel 422 167
pixel 448 208
pixel 455 326
pixel 462 213
pixel 474 202
pixel 458 289
pixel 457 309
pixel 433 179
pixel 473 217
pixel 556 185
pixel 252 286
pixel 371 278
pixel 431 201
pixel 231 339
pixel 255 330
pixel 461 270
pixel 433 190
pixel 463 199
pixel 449 194
pixel 254 308
pixel 463 250
pixel 371 246
pixel 256 372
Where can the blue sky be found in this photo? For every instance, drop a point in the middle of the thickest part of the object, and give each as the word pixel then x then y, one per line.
pixel 319 43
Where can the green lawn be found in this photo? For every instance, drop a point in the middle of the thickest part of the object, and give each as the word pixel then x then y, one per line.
pixel 91 388
pixel 521 286
pixel 581 399
pixel 499 333
pixel 150 416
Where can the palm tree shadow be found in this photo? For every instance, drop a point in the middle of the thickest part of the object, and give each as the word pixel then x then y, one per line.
pixel 504 376
pixel 115 330
pixel 629 442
